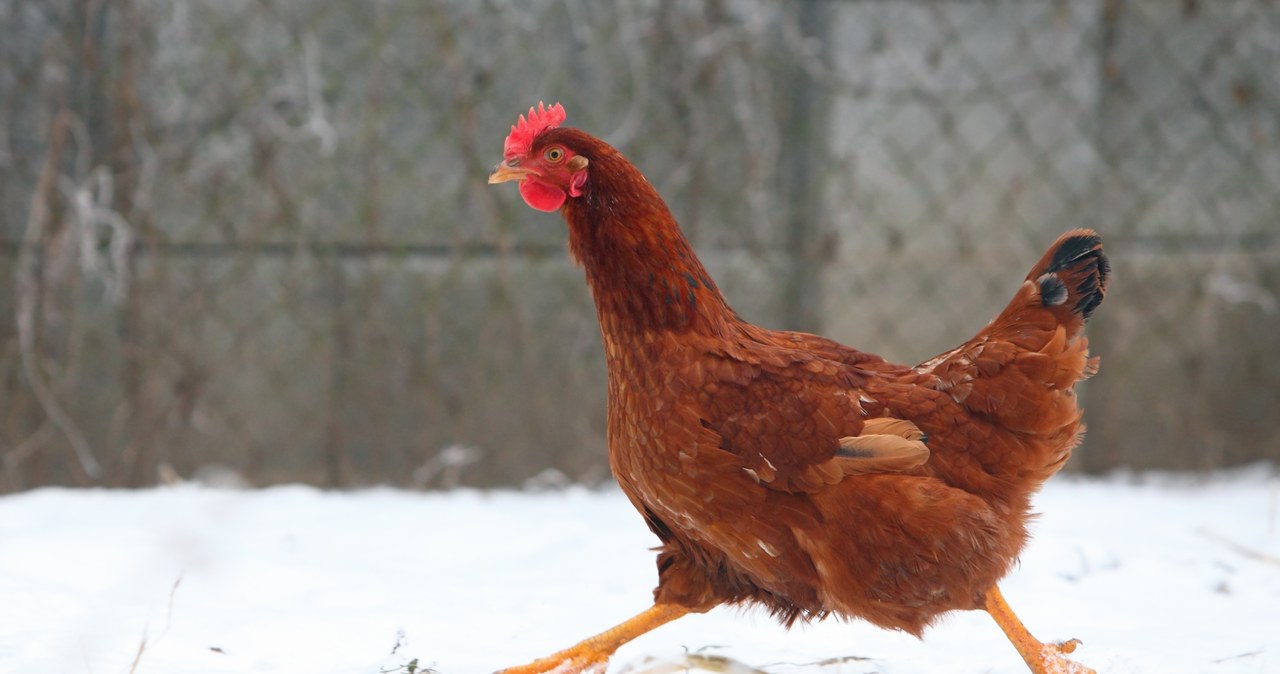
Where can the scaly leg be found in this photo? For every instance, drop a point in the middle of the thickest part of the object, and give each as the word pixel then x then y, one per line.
pixel 592 654
pixel 1042 658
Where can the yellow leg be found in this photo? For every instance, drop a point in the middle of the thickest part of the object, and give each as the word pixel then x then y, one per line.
pixel 1042 658
pixel 592 654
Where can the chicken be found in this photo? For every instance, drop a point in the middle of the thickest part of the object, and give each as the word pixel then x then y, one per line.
pixel 786 470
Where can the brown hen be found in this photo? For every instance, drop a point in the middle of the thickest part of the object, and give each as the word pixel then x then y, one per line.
pixel 789 471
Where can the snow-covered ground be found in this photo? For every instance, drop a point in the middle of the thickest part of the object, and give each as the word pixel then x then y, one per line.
pixel 1154 575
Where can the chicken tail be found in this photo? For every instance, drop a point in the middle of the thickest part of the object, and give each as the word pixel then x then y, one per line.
pixel 1020 370
pixel 1071 278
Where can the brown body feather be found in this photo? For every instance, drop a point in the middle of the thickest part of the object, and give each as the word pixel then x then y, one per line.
pixel 789 470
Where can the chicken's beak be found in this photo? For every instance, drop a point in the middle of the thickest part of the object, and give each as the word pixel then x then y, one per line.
pixel 505 172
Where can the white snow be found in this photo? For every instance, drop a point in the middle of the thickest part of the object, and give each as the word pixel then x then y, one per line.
pixel 1154 574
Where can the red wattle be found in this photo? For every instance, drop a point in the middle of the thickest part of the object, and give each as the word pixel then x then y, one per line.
pixel 542 196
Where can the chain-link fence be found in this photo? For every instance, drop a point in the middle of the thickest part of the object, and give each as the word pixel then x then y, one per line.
pixel 255 236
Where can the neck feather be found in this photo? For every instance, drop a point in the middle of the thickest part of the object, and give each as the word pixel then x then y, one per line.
pixel 643 273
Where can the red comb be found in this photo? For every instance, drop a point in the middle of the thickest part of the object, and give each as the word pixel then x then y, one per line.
pixel 524 131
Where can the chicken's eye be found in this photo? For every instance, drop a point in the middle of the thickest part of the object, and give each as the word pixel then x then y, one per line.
pixel 554 154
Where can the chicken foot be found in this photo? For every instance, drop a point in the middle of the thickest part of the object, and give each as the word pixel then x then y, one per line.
pixel 1042 658
pixel 592 654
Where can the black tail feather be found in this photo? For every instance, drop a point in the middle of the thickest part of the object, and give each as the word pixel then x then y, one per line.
pixel 1075 271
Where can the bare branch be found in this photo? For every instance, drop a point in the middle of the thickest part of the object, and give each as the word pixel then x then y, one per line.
pixel 28 299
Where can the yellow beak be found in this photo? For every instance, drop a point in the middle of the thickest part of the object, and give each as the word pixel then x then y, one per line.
pixel 505 172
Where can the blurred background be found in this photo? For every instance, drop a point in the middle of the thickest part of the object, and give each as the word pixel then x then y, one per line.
pixel 251 240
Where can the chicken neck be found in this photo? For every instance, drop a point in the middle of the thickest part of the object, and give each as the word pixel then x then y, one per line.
pixel 643 273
